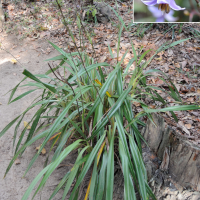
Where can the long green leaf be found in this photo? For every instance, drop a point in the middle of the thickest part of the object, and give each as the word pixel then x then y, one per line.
pixel 102 177
pixel 31 76
pixel 55 127
pixel 137 163
pixel 115 107
pixel 55 164
pixel 73 173
pixel 66 55
pixel 37 137
pixel 62 142
pixel 102 92
pixel 125 167
pixel 21 96
pixel 88 163
pixel 93 180
pixel 174 108
pixel 34 182
pixel 110 171
pixel 14 89
pixel 89 68
pixel 143 55
pixel 60 185
pixel 8 126
pixel 61 57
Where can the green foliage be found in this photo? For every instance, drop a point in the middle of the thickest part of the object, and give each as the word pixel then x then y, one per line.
pixel 91 113
pixel 143 28
pixel 56 2
pixel 91 14
pixel 85 112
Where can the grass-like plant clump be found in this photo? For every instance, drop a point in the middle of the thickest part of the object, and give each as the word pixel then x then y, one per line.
pixel 89 110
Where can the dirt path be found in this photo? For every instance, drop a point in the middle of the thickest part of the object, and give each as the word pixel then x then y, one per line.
pixel 31 57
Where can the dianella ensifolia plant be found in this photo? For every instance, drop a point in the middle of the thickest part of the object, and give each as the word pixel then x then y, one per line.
pixel 86 113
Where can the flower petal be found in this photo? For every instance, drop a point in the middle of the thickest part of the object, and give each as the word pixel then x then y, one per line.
pixel 150 2
pixel 160 19
pixel 173 5
pixel 163 1
pixel 155 11
pixel 169 17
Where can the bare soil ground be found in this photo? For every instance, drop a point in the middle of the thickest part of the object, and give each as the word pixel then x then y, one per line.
pixel 13 186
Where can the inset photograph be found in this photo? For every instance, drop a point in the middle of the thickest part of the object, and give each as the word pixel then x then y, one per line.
pixel 166 11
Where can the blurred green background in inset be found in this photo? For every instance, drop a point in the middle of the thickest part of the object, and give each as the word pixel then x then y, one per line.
pixel 190 14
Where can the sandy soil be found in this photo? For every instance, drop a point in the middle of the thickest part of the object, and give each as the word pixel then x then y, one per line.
pixel 13 186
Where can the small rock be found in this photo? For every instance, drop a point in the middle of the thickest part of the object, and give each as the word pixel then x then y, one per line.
pixel 17 162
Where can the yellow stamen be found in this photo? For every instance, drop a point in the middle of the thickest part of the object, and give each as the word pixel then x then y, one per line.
pixel 164 7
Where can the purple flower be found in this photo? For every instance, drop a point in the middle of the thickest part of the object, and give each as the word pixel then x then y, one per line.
pixel 164 5
pixel 160 16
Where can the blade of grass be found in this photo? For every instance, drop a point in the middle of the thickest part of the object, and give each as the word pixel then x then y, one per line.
pixel 14 89
pixel 37 137
pixel 73 173
pixel 31 76
pixel 55 127
pixel 21 96
pixel 92 181
pixel 110 171
pixel 8 126
pixel 102 177
pixel 89 68
pixel 103 91
pixel 53 166
pixel 88 163
pixel 174 108
pixel 60 185
pixel 112 111
pixel 125 167
pixel 138 167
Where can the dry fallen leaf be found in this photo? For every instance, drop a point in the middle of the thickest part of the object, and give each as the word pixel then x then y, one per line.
pixel 26 124
pixel 43 150
pixel 153 156
pixel 137 104
pixel 177 65
pixel 188 126
pixel 181 124
pixel 191 99
pixel 10 7
pixel 13 61
pixel 42 28
pixel 102 59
